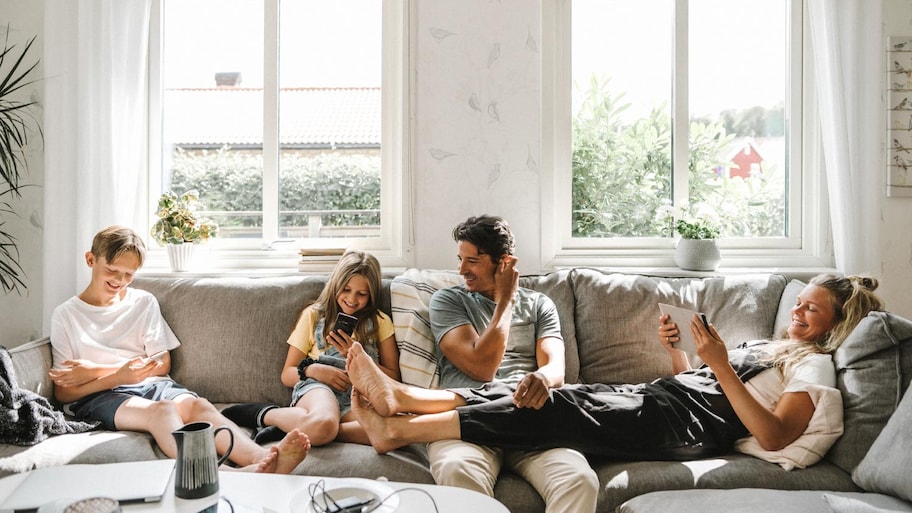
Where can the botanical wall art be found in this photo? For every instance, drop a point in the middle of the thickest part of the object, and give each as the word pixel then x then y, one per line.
pixel 899 116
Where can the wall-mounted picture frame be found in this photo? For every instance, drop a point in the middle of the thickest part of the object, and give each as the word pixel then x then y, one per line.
pixel 899 117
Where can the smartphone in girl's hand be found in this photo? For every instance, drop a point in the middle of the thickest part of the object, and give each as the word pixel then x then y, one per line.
pixel 346 323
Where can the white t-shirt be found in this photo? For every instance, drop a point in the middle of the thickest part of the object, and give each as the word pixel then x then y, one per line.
pixel 112 334
pixel 813 370
pixel 816 376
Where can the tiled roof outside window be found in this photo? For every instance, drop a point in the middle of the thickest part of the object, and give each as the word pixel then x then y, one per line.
pixel 310 117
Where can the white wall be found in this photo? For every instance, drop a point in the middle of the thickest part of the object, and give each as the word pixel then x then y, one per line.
pixel 477 147
pixel 478 131
pixel 20 315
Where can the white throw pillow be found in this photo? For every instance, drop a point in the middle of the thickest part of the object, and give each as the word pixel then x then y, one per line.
pixel 410 296
pixel 822 432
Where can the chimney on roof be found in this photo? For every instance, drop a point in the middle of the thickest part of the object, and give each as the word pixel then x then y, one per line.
pixel 228 79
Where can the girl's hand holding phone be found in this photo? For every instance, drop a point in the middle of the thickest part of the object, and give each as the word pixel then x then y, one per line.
pixel 341 341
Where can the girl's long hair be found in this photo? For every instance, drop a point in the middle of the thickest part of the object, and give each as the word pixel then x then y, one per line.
pixel 352 262
pixel 852 298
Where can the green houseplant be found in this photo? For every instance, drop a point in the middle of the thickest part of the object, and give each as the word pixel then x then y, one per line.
pixel 698 221
pixel 698 226
pixel 16 123
pixel 178 220
pixel 180 227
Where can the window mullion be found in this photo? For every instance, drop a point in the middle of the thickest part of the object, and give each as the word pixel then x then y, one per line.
pixel 271 120
pixel 680 115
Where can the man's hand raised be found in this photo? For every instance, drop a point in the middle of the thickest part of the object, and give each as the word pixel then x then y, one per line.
pixel 506 279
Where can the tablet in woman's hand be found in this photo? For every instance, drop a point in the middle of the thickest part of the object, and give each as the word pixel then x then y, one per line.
pixel 682 317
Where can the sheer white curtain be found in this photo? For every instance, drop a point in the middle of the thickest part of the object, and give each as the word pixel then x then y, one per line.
pixel 847 42
pixel 95 124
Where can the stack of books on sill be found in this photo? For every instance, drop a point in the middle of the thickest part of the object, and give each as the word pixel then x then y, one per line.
pixel 319 260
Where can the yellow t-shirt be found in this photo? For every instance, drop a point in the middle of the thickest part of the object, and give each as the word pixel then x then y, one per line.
pixel 303 335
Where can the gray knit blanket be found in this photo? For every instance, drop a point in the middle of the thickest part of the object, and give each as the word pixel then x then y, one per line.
pixel 27 418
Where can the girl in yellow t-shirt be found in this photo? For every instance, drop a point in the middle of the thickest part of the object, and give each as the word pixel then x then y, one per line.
pixel 315 364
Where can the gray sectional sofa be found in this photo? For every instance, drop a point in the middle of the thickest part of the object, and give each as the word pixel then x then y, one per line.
pixel 233 333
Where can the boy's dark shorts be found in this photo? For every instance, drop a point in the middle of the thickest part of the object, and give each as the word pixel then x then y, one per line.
pixel 102 406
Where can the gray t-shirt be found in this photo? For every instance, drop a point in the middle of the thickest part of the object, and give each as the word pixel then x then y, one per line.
pixel 534 317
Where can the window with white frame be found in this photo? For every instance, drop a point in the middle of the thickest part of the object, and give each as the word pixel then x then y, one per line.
pixel 286 117
pixel 694 108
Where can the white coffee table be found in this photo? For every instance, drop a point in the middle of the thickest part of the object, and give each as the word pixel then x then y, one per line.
pixel 274 493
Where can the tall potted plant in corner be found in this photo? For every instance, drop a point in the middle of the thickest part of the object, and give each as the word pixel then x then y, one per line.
pixel 698 226
pixel 15 128
pixel 180 228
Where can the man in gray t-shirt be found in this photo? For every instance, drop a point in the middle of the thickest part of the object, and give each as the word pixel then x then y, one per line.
pixel 491 329
pixel 534 318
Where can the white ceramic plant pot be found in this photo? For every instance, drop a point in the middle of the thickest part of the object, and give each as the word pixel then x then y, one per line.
pixel 181 256
pixel 698 254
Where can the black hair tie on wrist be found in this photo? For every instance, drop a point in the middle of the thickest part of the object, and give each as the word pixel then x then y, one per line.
pixel 302 367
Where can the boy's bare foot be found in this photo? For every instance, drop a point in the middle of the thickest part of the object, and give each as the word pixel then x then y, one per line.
pixel 375 425
pixel 268 464
pixel 374 386
pixel 291 451
pixel 283 457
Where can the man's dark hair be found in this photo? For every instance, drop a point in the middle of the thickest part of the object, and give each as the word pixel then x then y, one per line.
pixel 491 234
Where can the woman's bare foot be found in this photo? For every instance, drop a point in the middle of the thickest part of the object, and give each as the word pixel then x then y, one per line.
pixel 375 425
pixel 374 386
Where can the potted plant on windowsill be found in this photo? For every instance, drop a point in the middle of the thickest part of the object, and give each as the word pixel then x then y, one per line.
pixel 698 227
pixel 180 228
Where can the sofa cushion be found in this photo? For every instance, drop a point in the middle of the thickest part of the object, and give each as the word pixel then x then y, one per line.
pixel 863 504
pixel 233 332
pixel 784 315
pixel 622 481
pixel 617 316
pixel 885 468
pixel 91 447
pixel 407 464
pixel 556 285
pixel 873 369
pixel 752 500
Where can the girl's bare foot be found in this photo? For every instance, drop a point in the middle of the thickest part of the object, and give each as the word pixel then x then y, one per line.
pixel 374 386
pixel 375 425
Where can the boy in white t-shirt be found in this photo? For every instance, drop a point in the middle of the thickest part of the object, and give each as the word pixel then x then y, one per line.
pixel 111 361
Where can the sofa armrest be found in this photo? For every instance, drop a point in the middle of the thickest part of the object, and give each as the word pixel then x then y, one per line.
pixel 31 363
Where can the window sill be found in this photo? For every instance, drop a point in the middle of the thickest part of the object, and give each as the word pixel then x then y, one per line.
pixel 798 273
pixel 252 272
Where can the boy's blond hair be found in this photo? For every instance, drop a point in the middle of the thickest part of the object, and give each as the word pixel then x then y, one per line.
pixel 116 240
